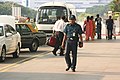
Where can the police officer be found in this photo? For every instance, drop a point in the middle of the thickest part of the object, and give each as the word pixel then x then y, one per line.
pixel 72 33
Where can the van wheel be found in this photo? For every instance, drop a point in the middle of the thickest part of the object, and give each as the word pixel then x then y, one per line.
pixel 17 52
pixel 3 55
pixel 34 46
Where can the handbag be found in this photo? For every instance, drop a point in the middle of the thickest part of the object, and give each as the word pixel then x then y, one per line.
pixel 51 41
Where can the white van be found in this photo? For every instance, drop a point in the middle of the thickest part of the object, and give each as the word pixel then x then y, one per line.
pixel 47 14
pixel 10 40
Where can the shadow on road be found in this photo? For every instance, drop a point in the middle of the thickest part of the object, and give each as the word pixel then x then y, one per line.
pixel 23 55
pixel 49 76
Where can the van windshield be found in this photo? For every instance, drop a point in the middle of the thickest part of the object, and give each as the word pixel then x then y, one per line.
pixel 1 31
pixel 50 14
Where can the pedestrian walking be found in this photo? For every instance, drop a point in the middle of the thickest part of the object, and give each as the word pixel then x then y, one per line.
pixel 58 31
pixel 72 34
pixel 93 27
pixel 109 23
pixel 88 27
pixel 99 26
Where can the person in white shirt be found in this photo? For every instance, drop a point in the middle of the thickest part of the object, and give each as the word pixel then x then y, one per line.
pixel 58 31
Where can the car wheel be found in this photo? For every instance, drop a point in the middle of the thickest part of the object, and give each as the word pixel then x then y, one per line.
pixel 3 55
pixel 17 52
pixel 34 46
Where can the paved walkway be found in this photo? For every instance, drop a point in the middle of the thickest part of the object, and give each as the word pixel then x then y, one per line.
pixel 98 60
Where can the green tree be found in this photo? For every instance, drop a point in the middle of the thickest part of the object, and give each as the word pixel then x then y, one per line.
pixel 6 9
pixel 115 6
pixel 82 16
pixel 98 10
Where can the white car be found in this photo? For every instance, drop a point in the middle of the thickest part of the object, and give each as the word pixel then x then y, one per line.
pixel 10 41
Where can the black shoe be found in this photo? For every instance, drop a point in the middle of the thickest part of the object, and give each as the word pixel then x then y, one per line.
pixel 110 38
pixel 61 54
pixel 54 53
pixel 98 38
pixel 67 68
pixel 73 70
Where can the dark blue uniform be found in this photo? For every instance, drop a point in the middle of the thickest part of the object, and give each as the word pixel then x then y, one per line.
pixel 72 32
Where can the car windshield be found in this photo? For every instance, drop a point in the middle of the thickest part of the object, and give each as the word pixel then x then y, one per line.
pixel 1 30
pixel 49 14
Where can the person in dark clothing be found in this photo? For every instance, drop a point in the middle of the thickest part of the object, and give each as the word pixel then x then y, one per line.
pixel 109 23
pixel 99 26
pixel 72 34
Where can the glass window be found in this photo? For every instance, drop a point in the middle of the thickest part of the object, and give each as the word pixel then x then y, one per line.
pixel 1 31
pixel 18 27
pixel 7 30
pixel 24 28
pixel 49 14
pixel 12 30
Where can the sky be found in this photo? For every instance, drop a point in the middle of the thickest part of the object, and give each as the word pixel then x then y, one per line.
pixel 85 3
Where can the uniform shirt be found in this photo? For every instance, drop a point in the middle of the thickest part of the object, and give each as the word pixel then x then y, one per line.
pixel 73 30
pixel 59 26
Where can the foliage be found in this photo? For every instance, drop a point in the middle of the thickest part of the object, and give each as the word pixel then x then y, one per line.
pixel 98 10
pixel 115 6
pixel 82 16
pixel 6 9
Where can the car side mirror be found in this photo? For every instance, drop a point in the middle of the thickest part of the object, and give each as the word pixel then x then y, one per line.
pixel 8 34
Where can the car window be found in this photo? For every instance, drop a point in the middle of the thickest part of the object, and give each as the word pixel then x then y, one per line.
pixel 1 31
pixel 12 30
pixel 7 30
pixel 18 28
pixel 25 28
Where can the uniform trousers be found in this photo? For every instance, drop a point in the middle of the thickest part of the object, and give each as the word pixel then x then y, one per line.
pixel 71 46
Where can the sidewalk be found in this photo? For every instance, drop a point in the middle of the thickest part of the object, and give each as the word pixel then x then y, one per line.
pixel 98 60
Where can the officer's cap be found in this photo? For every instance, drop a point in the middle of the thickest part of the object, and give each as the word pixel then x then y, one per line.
pixel 72 17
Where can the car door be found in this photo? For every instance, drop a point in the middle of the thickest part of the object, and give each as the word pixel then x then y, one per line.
pixel 9 39
pixel 26 34
pixel 15 38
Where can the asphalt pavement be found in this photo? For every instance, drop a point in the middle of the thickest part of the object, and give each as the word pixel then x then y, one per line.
pixel 97 60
